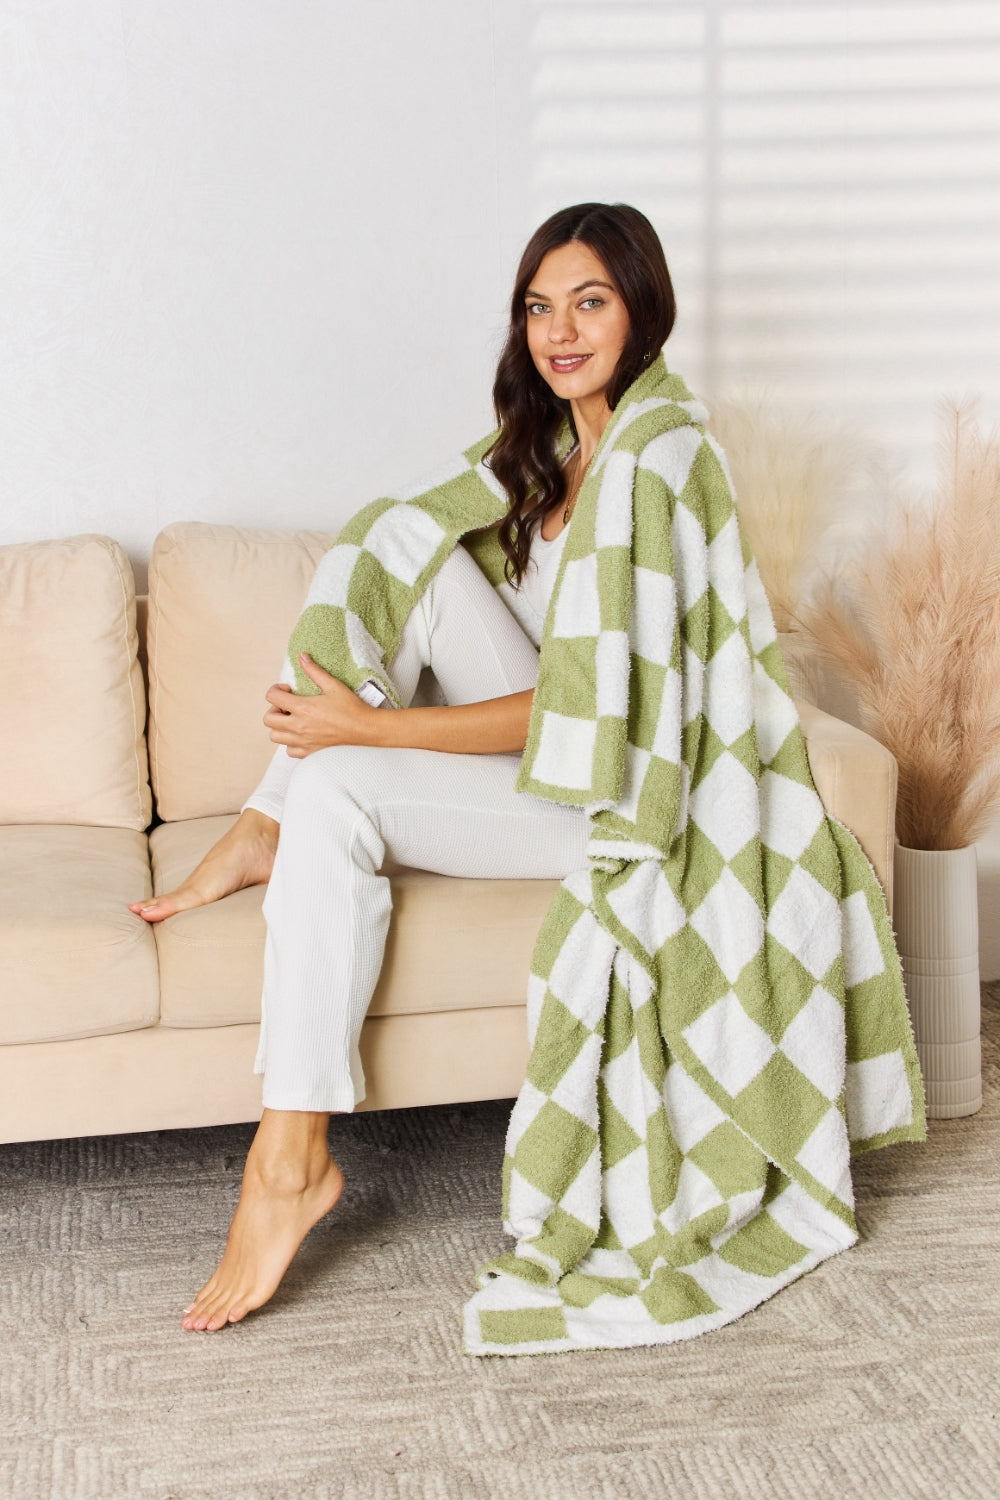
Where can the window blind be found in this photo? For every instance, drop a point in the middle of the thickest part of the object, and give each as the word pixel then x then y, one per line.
pixel 825 181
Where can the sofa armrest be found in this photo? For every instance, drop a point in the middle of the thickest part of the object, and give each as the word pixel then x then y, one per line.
pixel 856 777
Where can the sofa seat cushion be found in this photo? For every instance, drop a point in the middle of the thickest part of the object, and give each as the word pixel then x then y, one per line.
pixel 74 961
pixel 212 959
pixel 68 662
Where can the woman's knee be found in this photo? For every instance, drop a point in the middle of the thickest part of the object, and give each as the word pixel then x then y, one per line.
pixel 462 582
pixel 459 568
pixel 477 648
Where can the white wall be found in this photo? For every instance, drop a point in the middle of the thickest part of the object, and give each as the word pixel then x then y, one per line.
pixel 255 255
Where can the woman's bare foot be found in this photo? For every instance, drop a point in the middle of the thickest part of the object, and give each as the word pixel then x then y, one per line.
pixel 290 1181
pixel 243 856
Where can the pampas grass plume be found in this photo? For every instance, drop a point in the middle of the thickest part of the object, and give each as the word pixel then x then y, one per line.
pixel 915 629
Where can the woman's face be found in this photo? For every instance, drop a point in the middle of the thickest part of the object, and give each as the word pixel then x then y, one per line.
pixel 577 323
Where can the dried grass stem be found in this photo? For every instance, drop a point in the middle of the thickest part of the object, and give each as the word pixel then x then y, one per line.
pixel 916 631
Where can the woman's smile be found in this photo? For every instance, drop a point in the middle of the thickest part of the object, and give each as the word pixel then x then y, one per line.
pixel 564 363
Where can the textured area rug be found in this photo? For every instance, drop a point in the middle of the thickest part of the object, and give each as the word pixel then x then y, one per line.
pixel 877 1374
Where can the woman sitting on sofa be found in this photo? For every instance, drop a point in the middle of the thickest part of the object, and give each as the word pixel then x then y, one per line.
pixel 617 715
pixel 431 787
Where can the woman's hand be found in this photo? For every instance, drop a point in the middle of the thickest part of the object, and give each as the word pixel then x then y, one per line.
pixel 335 717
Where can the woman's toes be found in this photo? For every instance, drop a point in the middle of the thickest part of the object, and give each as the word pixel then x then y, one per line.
pixel 195 1315
pixel 158 908
pixel 217 1315
pixel 151 911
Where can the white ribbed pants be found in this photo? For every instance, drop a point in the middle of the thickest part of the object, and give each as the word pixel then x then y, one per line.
pixel 345 809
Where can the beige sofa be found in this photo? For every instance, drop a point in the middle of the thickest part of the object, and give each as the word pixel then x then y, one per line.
pixel 107 1024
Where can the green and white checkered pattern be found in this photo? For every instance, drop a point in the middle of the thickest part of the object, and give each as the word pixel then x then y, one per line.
pixel 368 582
pixel 716 1006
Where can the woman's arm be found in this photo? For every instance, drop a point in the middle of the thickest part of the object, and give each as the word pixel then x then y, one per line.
pixel 336 716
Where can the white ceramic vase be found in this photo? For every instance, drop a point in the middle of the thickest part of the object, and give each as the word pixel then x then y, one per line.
pixel 937 928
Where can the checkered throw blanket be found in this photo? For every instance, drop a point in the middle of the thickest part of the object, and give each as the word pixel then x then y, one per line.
pixel 715 1005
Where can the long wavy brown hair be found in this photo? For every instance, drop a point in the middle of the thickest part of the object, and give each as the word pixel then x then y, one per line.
pixel 524 457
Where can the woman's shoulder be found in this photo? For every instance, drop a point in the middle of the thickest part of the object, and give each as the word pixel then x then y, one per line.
pixel 656 431
pixel 657 404
pixel 669 437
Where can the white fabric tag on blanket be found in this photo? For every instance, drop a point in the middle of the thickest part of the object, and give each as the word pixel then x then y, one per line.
pixel 372 694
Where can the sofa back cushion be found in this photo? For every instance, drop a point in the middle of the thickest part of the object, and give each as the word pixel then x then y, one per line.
pixel 222 603
pixel 74 704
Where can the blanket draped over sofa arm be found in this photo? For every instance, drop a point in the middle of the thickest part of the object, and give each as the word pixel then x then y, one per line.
pixel 715 1006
